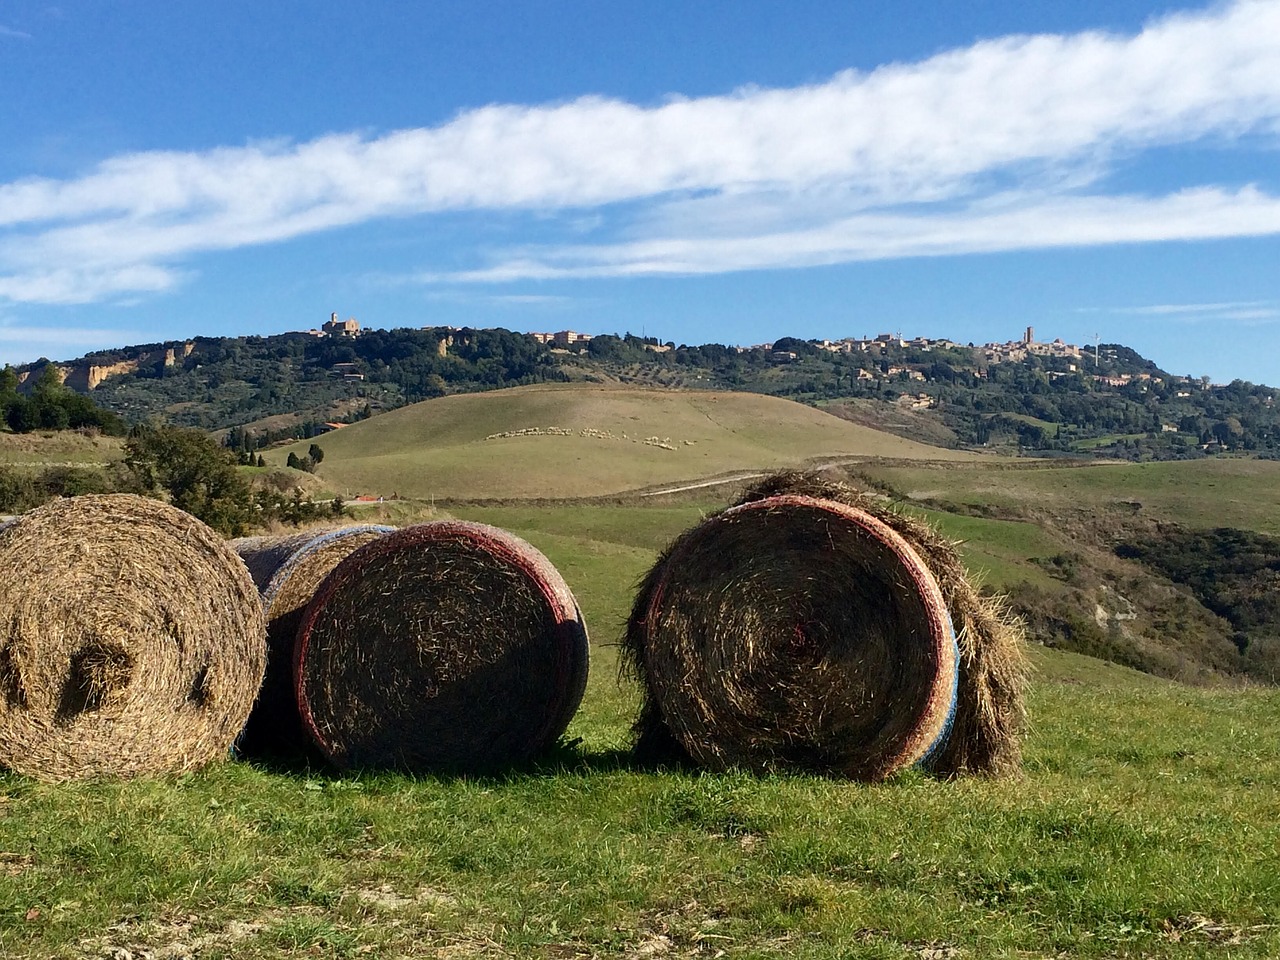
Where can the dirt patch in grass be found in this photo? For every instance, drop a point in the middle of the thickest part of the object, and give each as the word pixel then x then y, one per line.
pixel 176 938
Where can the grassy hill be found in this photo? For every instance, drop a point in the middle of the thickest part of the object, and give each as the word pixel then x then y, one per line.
pixel 62 448
pixel 606 440
pixel 1146 824
pixel 1050 536
pixel 1044 532
pixel 1200 493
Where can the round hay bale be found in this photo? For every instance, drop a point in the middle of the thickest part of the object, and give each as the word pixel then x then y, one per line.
pixel 794 632
pixel 448 645
pixel 131 640
pixel 287 571
pixel 986 732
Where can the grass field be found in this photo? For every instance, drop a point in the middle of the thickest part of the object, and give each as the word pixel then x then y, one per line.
pixel 618 439
pixel 64 448
pixel 1147 823
pixel 1196 493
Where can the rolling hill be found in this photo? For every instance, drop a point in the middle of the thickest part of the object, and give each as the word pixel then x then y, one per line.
pixel 586 440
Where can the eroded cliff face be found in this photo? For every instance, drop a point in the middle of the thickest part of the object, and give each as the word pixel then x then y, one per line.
pixel 85 377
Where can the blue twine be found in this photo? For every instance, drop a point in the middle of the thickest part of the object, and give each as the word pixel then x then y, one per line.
pixel 940 741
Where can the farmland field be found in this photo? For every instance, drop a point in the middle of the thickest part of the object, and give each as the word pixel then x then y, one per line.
pixel 584 441
pixel 58 449
pixel 1198 493
pixel 1147 823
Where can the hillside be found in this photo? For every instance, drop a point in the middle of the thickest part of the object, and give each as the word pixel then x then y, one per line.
pixel 1146 824
pixel 591 440
pixel 1136 563
pixel 1041 399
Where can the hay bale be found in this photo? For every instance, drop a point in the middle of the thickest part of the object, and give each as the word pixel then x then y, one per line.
pixel 448 645
pixel 789 632
pixel 131 640
pixel 287 571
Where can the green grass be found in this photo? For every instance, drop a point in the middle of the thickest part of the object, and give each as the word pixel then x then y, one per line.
pixel 997 551
pixel 1093 443
pixel 438 449
pixel 1197 493
pixel 64 448
pixel 1147 824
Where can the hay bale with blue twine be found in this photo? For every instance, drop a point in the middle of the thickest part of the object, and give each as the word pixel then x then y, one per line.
pixel 810 628
pixel 287 570
pixel 447 646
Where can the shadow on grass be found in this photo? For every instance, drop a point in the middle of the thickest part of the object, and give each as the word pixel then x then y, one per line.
pixel 564 758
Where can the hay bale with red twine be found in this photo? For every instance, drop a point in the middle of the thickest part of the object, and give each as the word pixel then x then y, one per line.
pixel 444 646
pixel 132 640
pixel 287 571
pixel 810 628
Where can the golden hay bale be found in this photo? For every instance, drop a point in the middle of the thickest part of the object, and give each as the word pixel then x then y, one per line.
pixel 131 640
pixel 287 571
pixel 447 645
pixel 787 632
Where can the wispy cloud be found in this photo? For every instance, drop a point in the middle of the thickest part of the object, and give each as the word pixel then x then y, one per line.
pixel 66 336
pixel 471 295
pixel 10 32
pixel 1242 312
pixel 997 224
pixel 1002 145
pixel 1197 309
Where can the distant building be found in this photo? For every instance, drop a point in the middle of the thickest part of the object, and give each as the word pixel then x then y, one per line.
pixel 562 338
pixel 341 328
pixel 568 338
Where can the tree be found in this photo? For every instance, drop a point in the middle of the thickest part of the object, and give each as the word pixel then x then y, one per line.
pixel 315 454
pixel 193 472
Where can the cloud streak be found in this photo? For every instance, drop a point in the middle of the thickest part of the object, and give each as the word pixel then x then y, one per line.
pixel 1249 313
pixel 58 336
pixel 1002 145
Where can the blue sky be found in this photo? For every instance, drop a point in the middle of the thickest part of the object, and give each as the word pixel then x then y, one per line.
pixel 730 170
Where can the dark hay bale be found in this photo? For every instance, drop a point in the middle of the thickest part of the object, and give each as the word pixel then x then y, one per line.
pixel 447 645
pixel 287 571
pixel 131 640
pixel 762 639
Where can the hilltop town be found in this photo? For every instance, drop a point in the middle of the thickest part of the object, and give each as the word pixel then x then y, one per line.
pixel 1047 398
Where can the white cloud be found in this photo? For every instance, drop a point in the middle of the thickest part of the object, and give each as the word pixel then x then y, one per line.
pixel 10 32
pixel 969 150
pixel 993 225
pixel 71 285
pixel 22 342
pixel 1166 309
pixel 1249 313
pixel 62 336
pixel 472 296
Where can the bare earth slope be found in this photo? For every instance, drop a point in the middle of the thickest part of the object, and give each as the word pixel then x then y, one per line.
pixel 587 440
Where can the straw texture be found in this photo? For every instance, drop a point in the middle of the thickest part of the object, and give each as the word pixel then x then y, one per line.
pixel 447 645
pixel 799 638
pixel 131 640
pixel 287 571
